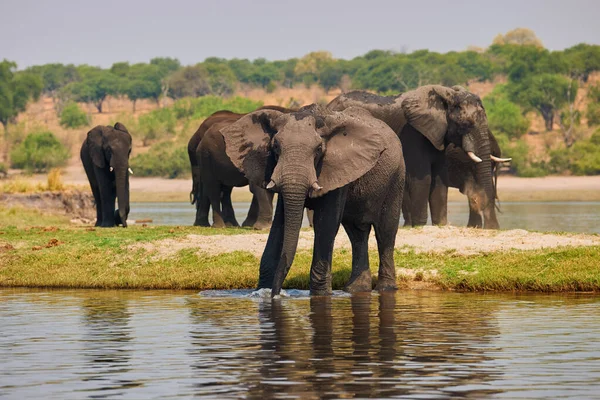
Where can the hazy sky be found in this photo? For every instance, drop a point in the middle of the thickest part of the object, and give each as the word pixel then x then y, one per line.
pixel 102 32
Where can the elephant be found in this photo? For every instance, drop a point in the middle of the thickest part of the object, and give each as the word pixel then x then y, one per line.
pixel 105 157
pixel 462 175
pixel 427 120
pixel 261 208
pixel 346 166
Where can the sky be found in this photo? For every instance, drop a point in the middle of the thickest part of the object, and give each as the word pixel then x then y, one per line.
pixel 102 32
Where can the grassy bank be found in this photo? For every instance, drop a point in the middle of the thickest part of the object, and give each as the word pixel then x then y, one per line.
pixel 60 255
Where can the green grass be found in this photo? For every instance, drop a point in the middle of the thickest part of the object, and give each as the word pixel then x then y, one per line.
pixel 84 257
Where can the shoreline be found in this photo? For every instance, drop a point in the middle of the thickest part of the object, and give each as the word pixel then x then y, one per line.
pixel 510 188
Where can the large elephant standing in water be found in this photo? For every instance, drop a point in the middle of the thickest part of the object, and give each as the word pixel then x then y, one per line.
pixel 427 120
pixel 346 166
pixel 105 157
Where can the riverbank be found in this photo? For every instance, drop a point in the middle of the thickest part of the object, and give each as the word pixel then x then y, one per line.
pixel 510 188
pixel 162 257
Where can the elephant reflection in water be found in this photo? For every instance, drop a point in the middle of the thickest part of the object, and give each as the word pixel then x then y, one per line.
pixel 373 347
pixel 106 343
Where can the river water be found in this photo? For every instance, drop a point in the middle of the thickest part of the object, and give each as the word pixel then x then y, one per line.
pixel 74 344
pixel 538 216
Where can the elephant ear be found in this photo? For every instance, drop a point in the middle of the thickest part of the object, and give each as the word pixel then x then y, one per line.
pixel 354 141
pixel 95 139
pixel 425 109
pixel 120 127
pixel 247 144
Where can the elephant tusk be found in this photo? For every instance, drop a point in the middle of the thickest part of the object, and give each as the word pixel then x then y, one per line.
pixel 271 185
pixel 130 171
pixel 111 169
pixel 474 157
pixel 316 187
pixel 498 159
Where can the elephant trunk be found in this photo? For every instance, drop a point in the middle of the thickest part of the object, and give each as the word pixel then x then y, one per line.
pixel 122 186
pixel 483 174
pixel 294 195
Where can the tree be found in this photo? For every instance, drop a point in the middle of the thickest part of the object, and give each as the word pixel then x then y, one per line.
pixel 309 66
pixel 503 115
pixel 519 36
pixel 221 78
pixel 16 89
pixel 94 86
pixel 546 93
pixel 55 77
pixel 143 81
pixel 73 117
pixel 192 81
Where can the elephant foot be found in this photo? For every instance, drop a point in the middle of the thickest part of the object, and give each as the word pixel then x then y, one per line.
pixel 201 223
pixel 386 285
pixel 360 283
pixel 218 225
pixel 248 223
pixel 262 225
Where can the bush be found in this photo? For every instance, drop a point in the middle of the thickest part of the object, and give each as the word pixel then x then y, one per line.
pixel 202 107
pixel 593 114
pixel 504 116
pixel 165 159
pixel 583 158
pixel 73 117
pixel 521 163
pixel 3 169
pixel 39 152
pixel 156 125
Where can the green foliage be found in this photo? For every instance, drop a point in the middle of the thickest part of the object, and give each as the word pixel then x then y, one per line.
pixel 583 158
pixel 593 114
pixel 156 125
pixel 39 152
pixel 521 163
pixel 94 86
pixel 3 169
pixel 189 82
pixel 16 89
pixel 202 107
pixel 166 159
pixel 55 76
pixel 546 93
pixel 73 117
pixel 503 115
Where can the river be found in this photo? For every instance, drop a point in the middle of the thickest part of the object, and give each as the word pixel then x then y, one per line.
pixel 538 216
pixel 73 344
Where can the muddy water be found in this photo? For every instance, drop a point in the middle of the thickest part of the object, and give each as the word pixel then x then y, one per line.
pixel 553 216
pixel 417 344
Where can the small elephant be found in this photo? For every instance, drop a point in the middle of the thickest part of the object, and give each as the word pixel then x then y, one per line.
pixel 427 120
pixel 462 175
pixel 105 157
pixel 212 185
pixel 346 166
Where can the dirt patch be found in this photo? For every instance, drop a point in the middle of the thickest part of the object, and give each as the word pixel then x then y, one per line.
pixel 461 241
pixel 75 203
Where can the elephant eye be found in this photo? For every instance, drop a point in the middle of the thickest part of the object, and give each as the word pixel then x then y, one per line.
pixel 276 148
pixel 319 150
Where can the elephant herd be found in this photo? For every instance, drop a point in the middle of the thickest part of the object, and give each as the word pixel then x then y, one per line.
pixel 360 161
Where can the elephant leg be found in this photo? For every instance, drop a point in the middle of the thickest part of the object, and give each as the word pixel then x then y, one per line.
pixel 252 212
pixel 438 196
pixel 202 207
pixel 272 253
pixel 406 209
pixel 264 199
pixel 475 220
pixel 385 233
pixel 213 191
pixel 96 192
pixel 227 206
pixel 360 279
pixel 108 196
pixel 329 210
pixel 419 189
